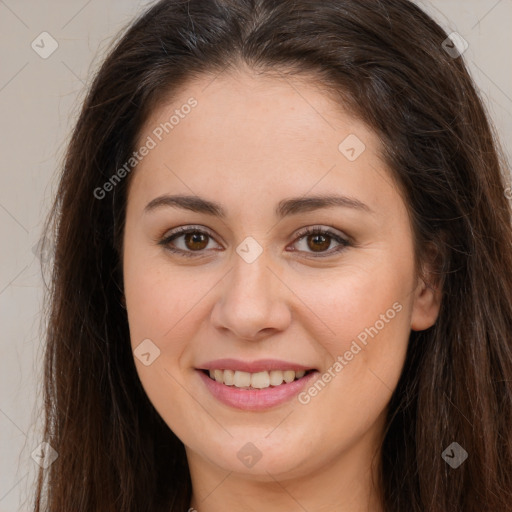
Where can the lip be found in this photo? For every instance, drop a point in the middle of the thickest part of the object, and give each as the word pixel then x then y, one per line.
pixel 260 365
pixel 257 399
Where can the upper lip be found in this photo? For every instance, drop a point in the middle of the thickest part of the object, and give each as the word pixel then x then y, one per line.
pixel 252 366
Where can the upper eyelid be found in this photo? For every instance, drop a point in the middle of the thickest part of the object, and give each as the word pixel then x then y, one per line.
pixel 183 230
pixel 323 229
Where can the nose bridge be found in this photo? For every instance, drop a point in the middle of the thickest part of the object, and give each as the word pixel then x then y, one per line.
pixel 251 280
pixel 252 299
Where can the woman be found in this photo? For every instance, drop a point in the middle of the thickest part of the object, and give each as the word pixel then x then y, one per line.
pixel 282 275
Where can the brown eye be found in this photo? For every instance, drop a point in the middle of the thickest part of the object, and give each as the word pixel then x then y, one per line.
pixel 318 242
pixel 188 241
pixel 196 240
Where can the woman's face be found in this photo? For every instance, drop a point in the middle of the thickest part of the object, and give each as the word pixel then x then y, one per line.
pixel 256 161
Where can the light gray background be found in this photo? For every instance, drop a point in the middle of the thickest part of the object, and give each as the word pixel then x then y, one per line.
pixel 39 99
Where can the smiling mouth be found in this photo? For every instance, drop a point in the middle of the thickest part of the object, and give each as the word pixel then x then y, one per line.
pixel 258 380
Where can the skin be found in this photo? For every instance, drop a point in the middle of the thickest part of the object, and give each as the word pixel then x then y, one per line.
pixel 251 142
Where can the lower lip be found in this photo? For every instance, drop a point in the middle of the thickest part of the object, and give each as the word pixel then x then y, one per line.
pixel 257 399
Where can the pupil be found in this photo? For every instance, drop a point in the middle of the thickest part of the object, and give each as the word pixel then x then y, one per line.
pixel 192 239
pixel 323 240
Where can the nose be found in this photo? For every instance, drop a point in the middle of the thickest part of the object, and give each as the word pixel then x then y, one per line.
pixel 253 303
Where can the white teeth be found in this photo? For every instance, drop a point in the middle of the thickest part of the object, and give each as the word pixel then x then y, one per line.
pixel 276 377
pixel 258 380
pixel 289 376
pixel 242 379
pixel 229 377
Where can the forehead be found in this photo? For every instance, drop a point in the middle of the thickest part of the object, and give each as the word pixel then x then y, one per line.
pixel 249 132
pixel 245 106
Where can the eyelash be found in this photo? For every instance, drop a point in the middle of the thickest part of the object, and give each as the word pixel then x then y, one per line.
pixel 315 230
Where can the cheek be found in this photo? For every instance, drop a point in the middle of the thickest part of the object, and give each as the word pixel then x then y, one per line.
pixel 365 328
pixel 162 307
pixel 160 300
pixel 358 303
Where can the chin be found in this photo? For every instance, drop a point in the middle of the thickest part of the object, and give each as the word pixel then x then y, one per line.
pixel 258 457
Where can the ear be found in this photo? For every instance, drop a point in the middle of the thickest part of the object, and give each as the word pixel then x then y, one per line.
pixel 428 292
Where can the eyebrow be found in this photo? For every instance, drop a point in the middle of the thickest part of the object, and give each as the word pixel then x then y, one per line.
pixel 284 208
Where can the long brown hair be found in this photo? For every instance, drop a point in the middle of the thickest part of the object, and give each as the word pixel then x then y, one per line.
pixel 386 63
